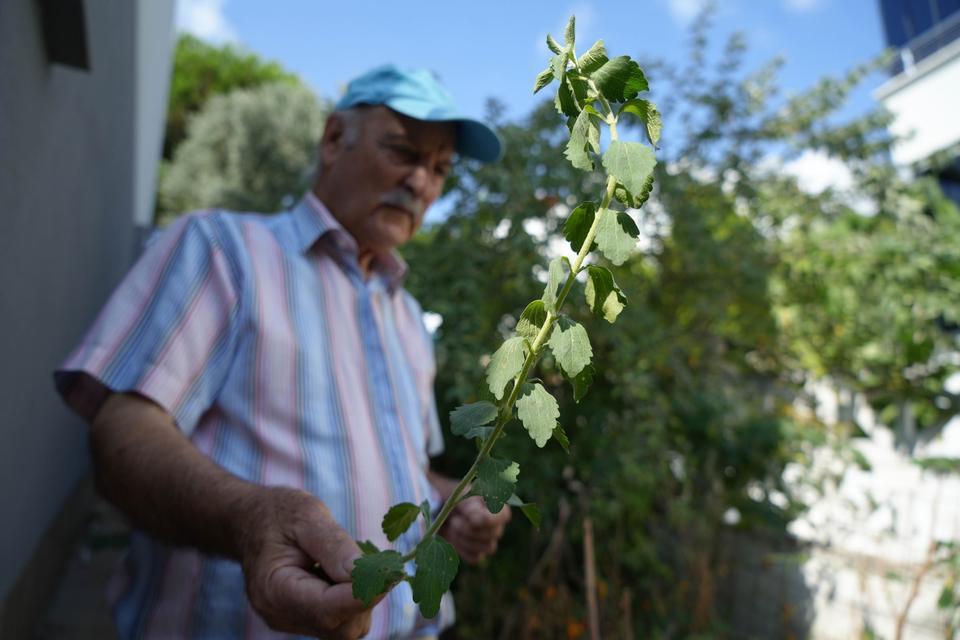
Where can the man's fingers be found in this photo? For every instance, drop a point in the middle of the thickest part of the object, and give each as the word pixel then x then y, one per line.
pixel 310 603
pixel 330 547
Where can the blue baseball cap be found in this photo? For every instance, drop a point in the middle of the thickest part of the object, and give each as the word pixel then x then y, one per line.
pixel 418 95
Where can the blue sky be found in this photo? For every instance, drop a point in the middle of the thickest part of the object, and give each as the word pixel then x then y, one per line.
pixel 495 48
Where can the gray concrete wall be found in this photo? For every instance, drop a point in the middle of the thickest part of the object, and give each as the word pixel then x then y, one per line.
pixel 68 174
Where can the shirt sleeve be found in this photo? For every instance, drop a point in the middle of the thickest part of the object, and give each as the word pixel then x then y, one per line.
pixel 168 331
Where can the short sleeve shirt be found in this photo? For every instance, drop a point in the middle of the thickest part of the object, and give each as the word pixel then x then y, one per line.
pixel 283 364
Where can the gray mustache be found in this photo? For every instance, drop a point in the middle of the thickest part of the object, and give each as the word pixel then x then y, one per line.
pixel 402 198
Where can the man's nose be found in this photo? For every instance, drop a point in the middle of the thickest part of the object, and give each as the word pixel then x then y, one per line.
pixel 417 181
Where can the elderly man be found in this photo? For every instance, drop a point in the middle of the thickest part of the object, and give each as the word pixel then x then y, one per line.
pixel 260 391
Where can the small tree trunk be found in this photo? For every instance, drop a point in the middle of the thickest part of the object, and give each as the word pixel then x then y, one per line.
pixel 590 570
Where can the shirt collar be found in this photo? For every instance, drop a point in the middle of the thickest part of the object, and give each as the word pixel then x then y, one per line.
pixel 314 221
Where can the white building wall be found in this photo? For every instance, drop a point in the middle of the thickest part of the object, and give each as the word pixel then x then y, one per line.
pixel 926 102
pixel 78 156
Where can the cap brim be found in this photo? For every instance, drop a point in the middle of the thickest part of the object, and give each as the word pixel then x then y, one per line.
pixel 474 139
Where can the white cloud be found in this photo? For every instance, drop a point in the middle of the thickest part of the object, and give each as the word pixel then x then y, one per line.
pixel 816 171
pixel 205 19
pixel 802 6
pixel 683 11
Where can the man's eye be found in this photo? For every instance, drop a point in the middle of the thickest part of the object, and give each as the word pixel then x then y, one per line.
pixel 405 153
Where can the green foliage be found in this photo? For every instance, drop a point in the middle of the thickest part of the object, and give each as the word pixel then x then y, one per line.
pixel 570 346
pixel 505 365
pixel 201 71
pixel 496 480
pixel 399 518
pixel 437 564
pixel 538 412
pixel 744 289
pixel 246 150
pixel 616 235
pixel 375 573
pixel 470 420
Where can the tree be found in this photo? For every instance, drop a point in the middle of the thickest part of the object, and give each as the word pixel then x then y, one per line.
pixel 200 71
pixel 248 150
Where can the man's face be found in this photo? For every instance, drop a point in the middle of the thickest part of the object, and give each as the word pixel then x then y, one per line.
pixel 380 179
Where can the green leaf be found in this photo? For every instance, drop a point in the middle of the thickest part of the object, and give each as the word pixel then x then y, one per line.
pixel 553 45
pixel 538 411
pixel 570 32
pixel 580 137
pixel 532 319
pixel 582 382
pixel 558 66
pixel 616 235
pixel 398 519
pixel 375 573
pixel 468 420
pixel 425 510
pixel 554 281
pixel 603 295
pixel 566 102
pixel 570 346
pixel 621 193
pixel 648 114
pixel 496 480
pixel 578 224
pixel 367 547
pixel 529 509
pixel 631 163
pixel 594 58
pixel 505 365
pixel 437 564
pixel 620 79
pixel 946 600
pixel 543 79
pixel 561 437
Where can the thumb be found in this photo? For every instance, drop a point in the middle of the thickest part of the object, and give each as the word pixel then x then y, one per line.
pixel 331 548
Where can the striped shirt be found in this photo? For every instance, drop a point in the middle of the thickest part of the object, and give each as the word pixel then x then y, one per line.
pixel 263 340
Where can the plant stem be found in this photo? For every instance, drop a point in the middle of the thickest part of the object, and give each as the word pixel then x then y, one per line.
pixel 505 414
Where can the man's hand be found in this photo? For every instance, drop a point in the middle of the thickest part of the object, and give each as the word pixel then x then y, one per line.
pixel 146 466
pixel 473 531
pixel 290 540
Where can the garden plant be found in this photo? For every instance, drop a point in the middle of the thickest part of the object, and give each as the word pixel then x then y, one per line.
pixel 593 90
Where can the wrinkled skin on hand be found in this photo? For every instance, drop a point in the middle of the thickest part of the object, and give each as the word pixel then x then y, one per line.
pixel 290 540
pixel 473 531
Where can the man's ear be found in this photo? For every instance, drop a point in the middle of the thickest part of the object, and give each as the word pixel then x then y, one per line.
pixel 333 142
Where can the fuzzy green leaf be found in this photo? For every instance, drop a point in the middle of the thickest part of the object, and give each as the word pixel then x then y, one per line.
pixel 603 295
pixel 529 509
pixel 532 319
pixel 631 163
pixel 570 346
pixel 425 510
pixel 620 79
pixel 616 235
pixel 367 547
pixel 594 58
pixel 581 383
pixel 375 573
pixel 634 201
pixel 580 137
pixel 505 365
pixel 648 114
pixel 437 564
pixel 578 224
pixel 558 66
pixel 544 78
pixel 496 480
pixel 538 411
pixel 398 519
pixel 553 45
pixel 570 32
pixel 469 420
pixel 566 102
pixel 555 280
